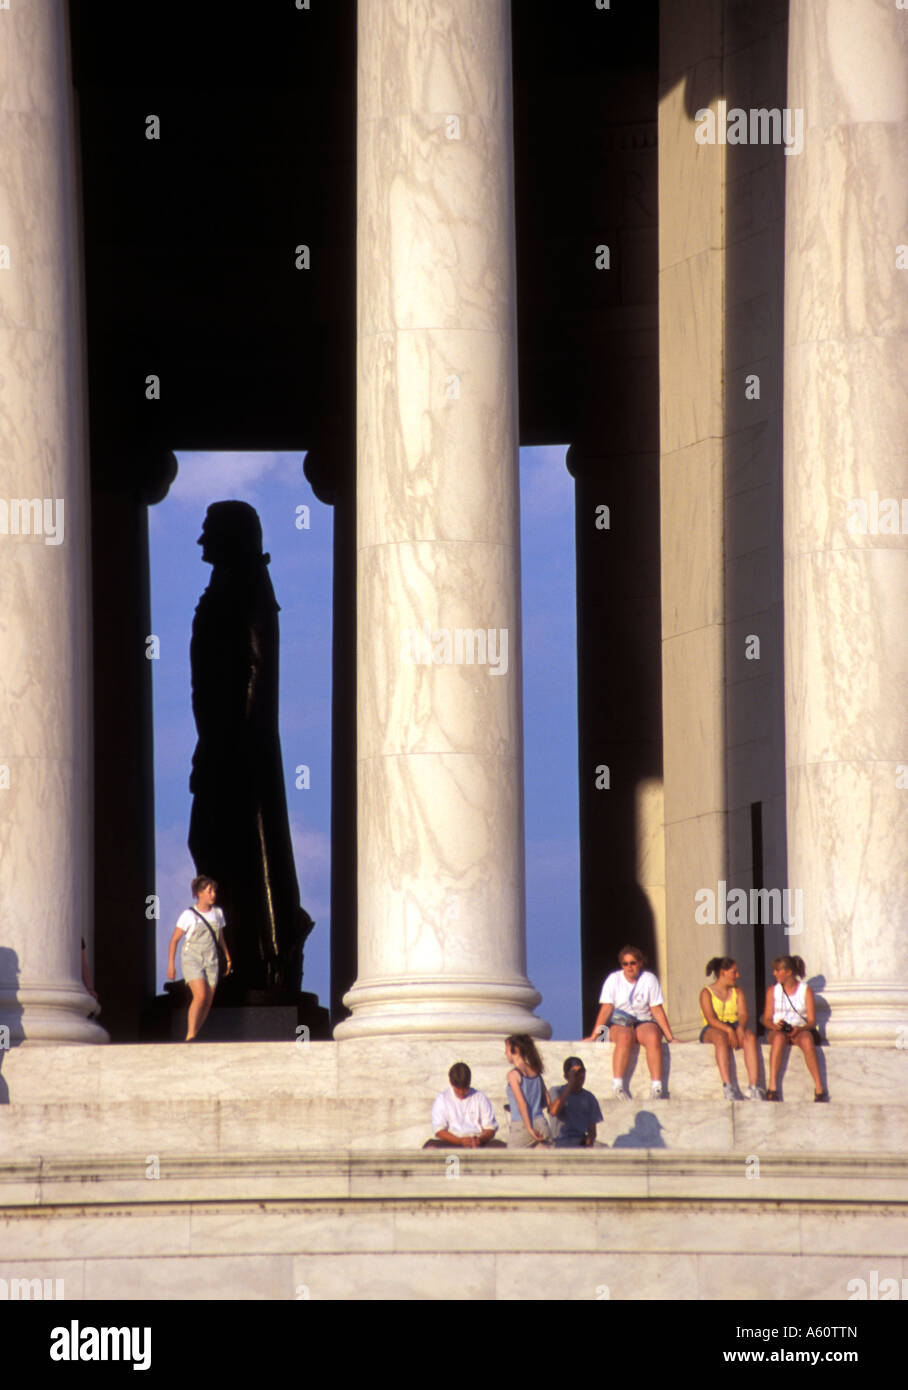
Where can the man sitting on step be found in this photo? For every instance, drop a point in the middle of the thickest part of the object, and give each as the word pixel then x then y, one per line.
pixel 461 1117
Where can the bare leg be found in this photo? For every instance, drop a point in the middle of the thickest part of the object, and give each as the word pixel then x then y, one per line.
pixel 807 1045
pixel 209 1000
pixel 751 1056
pixel 776 1048
pixel 719 1041
pixel 202 995
pixel 621 1039
pixel 650 1037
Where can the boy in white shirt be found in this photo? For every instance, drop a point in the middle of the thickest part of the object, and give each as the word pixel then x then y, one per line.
pixel 461 1117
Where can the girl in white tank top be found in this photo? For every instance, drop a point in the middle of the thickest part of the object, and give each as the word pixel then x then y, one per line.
pixel 790 1008
pixel 790 1017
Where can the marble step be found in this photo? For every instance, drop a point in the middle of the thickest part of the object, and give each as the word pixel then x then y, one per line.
pixel 265 1097
pixel 430 1175
pixel 293 1120
pixel 340 1225
pixel 402 1067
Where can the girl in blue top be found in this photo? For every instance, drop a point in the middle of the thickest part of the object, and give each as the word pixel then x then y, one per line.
pixel 527 1094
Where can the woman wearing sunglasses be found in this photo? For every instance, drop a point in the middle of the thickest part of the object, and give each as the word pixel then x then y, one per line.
pixel 633 1008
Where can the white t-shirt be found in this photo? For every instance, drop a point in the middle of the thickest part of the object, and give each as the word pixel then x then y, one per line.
pixel 636 999
pixel 785 1008
pixel 197 935
pixel 471 1115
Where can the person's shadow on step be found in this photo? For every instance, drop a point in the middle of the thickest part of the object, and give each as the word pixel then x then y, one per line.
pixel 646 1133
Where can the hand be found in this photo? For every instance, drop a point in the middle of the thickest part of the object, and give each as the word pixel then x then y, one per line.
pixel 470 1141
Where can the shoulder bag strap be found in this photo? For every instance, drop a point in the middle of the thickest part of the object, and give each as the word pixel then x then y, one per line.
pixel 208 925
pixel 794 1005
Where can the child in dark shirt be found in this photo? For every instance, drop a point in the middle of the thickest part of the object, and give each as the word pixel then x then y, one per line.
pixel 577 1109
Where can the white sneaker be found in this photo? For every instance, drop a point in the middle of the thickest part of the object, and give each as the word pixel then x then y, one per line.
pixel 655 1090
pixel 756 1093
pixel 730 1091
pixel 618 1091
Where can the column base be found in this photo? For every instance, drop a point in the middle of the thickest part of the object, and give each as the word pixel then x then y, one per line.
pixel 864 1015
pixel 442 1006
pixel 43 1015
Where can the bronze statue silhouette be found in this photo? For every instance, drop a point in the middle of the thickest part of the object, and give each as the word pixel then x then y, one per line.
pixel 239 831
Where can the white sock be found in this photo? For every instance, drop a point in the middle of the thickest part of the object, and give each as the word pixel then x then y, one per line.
pixel 617 1084
pixel 656 1086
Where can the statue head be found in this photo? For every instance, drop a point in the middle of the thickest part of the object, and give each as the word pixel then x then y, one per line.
pixel 231 534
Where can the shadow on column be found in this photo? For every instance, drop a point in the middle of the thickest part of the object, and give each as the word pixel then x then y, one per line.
pixel 123 734
pixel 331 472
pixel 619 637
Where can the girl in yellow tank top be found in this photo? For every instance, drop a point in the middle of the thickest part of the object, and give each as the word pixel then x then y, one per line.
pixel 723 1012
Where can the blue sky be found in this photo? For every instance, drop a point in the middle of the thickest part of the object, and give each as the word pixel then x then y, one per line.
pixel 301 571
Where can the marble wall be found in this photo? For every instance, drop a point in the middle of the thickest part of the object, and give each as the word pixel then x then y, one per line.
pixel 691 346
pixel 722 278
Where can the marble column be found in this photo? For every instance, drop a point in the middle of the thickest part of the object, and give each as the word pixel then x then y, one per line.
pixel 45 727
pixel 440 755
pixel 846 559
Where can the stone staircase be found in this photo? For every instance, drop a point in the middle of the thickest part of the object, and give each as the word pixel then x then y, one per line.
pixel 267 1168
pixel 266 1097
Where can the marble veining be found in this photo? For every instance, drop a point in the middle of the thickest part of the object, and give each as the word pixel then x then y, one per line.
pixel 440 775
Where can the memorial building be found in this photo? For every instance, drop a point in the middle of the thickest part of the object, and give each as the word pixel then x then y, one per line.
pixel 406 239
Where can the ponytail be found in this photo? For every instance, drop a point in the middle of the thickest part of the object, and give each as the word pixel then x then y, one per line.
pixel 523 1043
pixel 718 964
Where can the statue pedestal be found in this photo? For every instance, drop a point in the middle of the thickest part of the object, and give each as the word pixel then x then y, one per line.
pixel 256 1016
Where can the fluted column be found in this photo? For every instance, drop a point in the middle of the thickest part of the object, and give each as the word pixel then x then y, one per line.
pixel 45 731
pixel 440 771
pixel 846 576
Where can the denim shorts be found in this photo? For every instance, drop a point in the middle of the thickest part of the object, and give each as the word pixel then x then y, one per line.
pixel 622 1019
